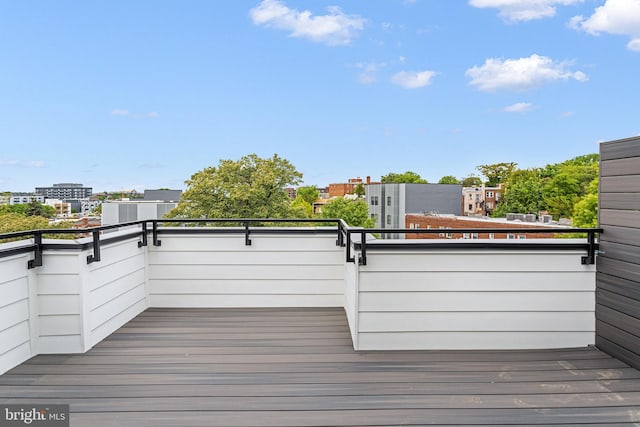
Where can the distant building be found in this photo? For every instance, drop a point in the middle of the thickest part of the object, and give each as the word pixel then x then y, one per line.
pixel 63 209
pixel 480 200
pixel 389 203
pixel 448 223
pixel 163 195
pixel 65 191
pixel 291 192
pixel 344 188
pixel 23 198
pixel 119 211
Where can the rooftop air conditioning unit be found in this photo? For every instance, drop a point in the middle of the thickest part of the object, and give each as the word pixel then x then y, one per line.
pixel 546 219
pixel 530 217
pixel 519 217
pixel 511 217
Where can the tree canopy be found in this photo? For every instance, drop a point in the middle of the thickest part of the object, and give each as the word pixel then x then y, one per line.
pixel 408 177
pixel 353 212
pixel 309 193
pixel 472 181
pixel 497 173
pixel 449 179
pixel 251 187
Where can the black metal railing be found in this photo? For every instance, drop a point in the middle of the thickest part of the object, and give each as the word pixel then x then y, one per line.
pixel 254 226
pixel 363 245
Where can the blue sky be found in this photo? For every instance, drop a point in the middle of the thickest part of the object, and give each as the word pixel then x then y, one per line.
pixel 142 94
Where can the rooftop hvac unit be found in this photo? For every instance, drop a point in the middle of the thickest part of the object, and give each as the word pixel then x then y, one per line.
pixel 546 219
pixel 511 217
pixel 530 217
pixel 519 217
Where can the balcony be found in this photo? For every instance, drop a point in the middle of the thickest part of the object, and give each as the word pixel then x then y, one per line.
pixel 154 323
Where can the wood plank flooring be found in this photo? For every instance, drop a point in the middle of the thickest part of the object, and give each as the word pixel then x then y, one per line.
pixel 296 367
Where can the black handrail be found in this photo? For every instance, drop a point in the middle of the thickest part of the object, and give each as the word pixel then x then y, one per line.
pixel 249 226
pixel 591 246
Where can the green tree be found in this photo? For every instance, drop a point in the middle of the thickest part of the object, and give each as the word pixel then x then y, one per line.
pixel 472 181
pixel 251 187
pixel 449 179
pixel 497 173
pixel 570 182
pixel 353 212
pixel 309 194
pixel 301 208
pixel 522 196
pixel 585 212
pixel 12 222
pixel 359 190
pixel 403 178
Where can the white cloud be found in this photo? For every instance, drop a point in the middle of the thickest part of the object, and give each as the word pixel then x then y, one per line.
pixel 518 107
pixel 523 10
pixel 334 29
pixel 30 164
pixel 614 17
pixel 520 74
pixel 566 114
pixel 152 114
pixel 119 112
pixel 413 79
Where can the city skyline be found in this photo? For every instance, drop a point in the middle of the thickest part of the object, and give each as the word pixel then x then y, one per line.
pixel 134 95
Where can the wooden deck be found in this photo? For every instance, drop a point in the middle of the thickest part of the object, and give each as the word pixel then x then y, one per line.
pixel 282 367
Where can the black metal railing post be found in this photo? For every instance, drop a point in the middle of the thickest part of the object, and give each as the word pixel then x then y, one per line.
pixel 37 252
pixel 95 257
pixel 247 233
pixel 348 247
pixel 156 241
pixel 363 248
pixel 144 241
pixel 590 258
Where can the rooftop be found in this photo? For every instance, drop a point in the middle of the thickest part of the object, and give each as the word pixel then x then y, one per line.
pixel 296 366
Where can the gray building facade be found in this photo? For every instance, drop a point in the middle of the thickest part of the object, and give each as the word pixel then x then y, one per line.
pixel 389 203
pixel 65 191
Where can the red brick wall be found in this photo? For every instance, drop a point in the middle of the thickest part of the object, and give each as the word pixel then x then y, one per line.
pixel 435 222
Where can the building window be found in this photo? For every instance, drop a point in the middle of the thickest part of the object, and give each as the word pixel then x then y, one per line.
pixel 388 200
pixel 374 200
pixel 511 236
pixel 492 236
pixel 411 225
pixel 441 228
pixel 449 235
pixel 521 237
pixel 465 235
pixel 489 194
pixel 470 207
pixel 417 225
pixel 489 205
pixel 474 235
pixel 388 219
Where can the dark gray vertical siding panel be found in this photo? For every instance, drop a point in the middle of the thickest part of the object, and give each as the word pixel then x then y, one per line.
pixel 620 184
pixel 620 201
pixel 618 276
pixel 620 149
pixel 622 235
pixel 621 252
pixel 619 167
pixel 620 218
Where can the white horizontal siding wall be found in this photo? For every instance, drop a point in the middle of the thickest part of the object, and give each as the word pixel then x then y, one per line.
pixel 475 300
pixel 58 294
pixel 115 290
pixel 219 270
pixel 351 299
pixel 15 339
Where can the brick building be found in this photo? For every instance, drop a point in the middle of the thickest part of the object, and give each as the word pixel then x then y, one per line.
pixel 480 200
pixel 344 188
pixel 448 224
